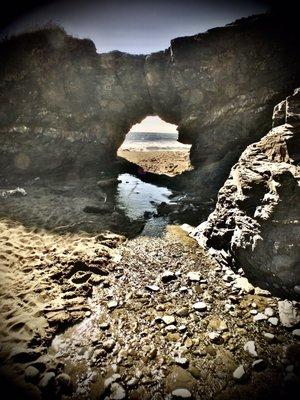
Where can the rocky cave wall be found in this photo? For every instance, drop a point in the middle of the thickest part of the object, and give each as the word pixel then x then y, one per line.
pixel 63 107
pixel 256 220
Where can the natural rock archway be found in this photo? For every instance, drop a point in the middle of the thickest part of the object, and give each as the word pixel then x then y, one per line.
pixel 64 107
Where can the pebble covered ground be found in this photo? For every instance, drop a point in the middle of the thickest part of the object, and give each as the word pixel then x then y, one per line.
pixel 167 322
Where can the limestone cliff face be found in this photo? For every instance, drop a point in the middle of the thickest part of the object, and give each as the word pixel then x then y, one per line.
pixel 64 107
pixel 256 220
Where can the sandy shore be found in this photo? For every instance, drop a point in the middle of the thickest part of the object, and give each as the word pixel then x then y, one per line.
pixel 159 162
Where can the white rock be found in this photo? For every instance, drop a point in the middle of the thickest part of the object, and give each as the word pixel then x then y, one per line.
pixel 269 312
pixel 289 313
pixel 168 319
pixel 269 336
pixel 112 304
pixel 117 392
pixel 253 312
pixel 171 328
pixel 181 394
pixel 259 317
pixel 183 289
pixel 239 373
pixel 113 378
pixel 200 306
pixel 296 333
pixel 214 336
pixel 152 288
pixel 250 348
pixel 243 284
pixel 181 361
pixel 194 276
pixel 273 321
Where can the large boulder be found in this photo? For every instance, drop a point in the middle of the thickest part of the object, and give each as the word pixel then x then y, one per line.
pixel 256 222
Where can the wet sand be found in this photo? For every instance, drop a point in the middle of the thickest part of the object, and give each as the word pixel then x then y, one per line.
pixel 160 162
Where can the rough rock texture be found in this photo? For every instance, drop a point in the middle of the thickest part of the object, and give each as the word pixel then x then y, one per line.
pixel 256 220
pixel 66 108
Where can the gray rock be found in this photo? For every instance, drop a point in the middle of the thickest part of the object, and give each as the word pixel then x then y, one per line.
pixel 31 373
pixel 47 381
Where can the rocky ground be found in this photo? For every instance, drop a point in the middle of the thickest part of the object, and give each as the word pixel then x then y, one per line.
pixel 160 162
pixel 163 321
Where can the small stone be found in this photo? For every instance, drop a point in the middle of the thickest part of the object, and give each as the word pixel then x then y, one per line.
pixel 168 319
pixel 250 348
pixel 243 284
pixel 171 328
pixel 183 289
pixel 168 276
pixel 31 373
pixel 200 306
pixel 181 394
pixel 104 326
pixel 47 380
pixel 110 380
pixel 183 312
pixel 109 344
pixel 253 312
pixel 182 361
pixel 112 304
pixel 269 336
pixel 182 328
pixel 193 276
pixel 64 382
pixel 259 317
pixel 296 333
pixel 117 392
pixel 273 321
pixel 239 373
pixel 152 288
pixel 132 382
pixel 215 337
pixel 259 365
pixel 269 312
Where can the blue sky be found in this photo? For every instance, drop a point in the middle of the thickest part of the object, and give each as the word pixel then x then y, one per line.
pixel 137 26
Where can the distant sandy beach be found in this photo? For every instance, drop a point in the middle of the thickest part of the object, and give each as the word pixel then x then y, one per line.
pixel 169 162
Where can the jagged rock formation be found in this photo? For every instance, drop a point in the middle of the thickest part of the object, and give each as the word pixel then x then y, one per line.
pixel 66 108
pixel 256 221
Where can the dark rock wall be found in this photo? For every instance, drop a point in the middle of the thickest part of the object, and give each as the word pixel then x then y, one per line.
pixel 63 107
pixel 256 221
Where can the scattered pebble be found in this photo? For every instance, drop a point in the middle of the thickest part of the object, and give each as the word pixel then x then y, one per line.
pixel 181 394
pixel 250 348
pixel 200 306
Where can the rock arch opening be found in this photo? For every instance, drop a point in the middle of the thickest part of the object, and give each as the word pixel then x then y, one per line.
pixel 153 145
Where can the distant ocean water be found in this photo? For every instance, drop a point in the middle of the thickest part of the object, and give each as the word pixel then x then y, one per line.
pixel 152 141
